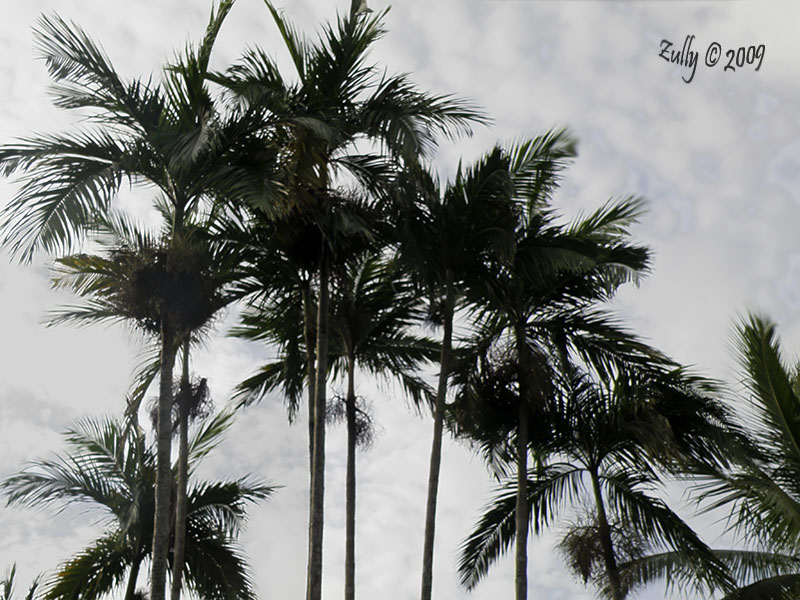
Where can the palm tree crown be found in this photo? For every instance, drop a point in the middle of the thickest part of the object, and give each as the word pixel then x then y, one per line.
pixel 327 122
pixel 110 468
pixel 604 446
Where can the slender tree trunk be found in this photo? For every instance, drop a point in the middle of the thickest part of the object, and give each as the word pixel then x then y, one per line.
pixel 308 336
pixel 164 481
pixel 183 477
pixel 436 445
pixel 606 542
pixel 316 518
pixel 130 589
pixel 350 486
pixel 523 507
pixel 139 491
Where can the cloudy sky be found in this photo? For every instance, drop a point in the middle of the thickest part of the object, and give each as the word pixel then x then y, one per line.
pixel 718 160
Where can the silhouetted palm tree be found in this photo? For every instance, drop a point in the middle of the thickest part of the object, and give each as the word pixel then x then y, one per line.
pixel 604 446
pixel 110 468
pixel 337 106
pixel 372 311
pixel 442 236
pixel 137 280
pixel 534 302
pixel 167 135
pixel 373 308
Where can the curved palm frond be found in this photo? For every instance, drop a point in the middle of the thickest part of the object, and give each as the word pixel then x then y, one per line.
pixel 67 179
pixel 215 568
pixel 92 573
pixel 780 587
pixel 548 490
pixel 220 506
pixel 653 519
pixel 683 572
pixel 772 387
pixel 209 435
pixel 98 471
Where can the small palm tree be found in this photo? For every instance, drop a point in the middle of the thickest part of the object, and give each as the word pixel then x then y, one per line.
pixel 601 447
pixel 111 468
pixel 442 236
pixel 277 274
pixel 373 307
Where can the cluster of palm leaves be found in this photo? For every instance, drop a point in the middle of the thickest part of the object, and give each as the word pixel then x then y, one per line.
pixel 308 203
pixel 112 469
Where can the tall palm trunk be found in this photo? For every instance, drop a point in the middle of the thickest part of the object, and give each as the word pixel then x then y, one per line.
pixel 350 485
pixel 436 445
pixel 183 476
pixel 130 589
pixel 316 520
pixel 612 570
pixel 163 515
pixel 523 507
pixel 162 522
pixel 308 336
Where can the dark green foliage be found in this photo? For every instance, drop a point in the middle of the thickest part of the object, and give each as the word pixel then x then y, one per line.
pixel 110 469
pixel 619 434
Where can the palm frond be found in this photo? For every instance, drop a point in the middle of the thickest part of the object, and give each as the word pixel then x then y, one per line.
pixel 209 435
pixel 547 490
pixel 656 521
pixel 405 119
pixel 221 506
pixel 67 179
pixel 85 77
pixel 7 583
pixel 780 587
pixel 215 568
pixel 769 382
pixel 295 43
pixel 92 573
pixel 96 473
pixel 537 164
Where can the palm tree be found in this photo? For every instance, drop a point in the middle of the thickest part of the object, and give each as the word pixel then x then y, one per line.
pixel 372 309
pixel 760 487
pixel 169 136
pixel 444 236
pixel 321 121
pixel 277 274
pixel 111 468
pixel 534 302
pixel 138 280
pixel 614 439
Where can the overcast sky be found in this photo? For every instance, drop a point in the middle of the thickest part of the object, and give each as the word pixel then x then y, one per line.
pixel 718 160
